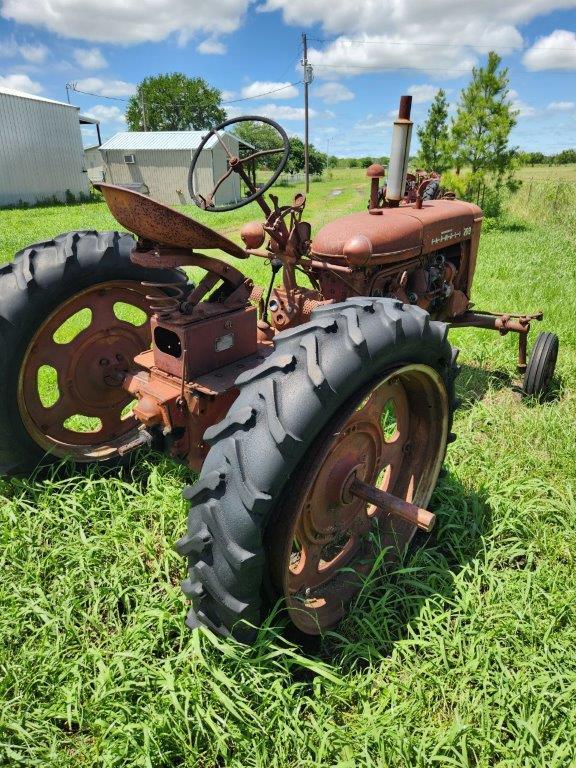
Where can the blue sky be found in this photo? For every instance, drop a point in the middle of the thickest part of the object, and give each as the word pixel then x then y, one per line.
pixel 365 54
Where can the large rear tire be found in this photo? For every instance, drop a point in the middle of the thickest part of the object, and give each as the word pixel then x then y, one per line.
pixel 65 339
pixel 267 440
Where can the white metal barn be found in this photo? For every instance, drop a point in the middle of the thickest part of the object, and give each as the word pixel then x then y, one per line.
pixel 157 163
pixel 41 153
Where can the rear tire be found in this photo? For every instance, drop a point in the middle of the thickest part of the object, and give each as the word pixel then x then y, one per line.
pixel 283 406
pixel 432 190
pixel 36 284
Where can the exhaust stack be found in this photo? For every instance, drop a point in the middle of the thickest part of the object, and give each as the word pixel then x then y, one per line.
pixel 399 153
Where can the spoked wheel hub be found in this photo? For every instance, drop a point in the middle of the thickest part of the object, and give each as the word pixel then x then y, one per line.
pixel 70 391
pixel 361 490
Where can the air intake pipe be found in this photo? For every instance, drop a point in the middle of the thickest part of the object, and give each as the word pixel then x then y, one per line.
pixel 399 153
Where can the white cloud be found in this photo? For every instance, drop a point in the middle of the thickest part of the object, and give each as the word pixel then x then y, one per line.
pixel 561 106
pixel 209 46
pixel 262 88
pixel 20 82
pixel 278 112
pixel 375 122
pixel 356 56
pixel 422 93
pixel 284 112
pixel 233 111
pixel 106 114
pixel 492 18
pixel 555 51
pixel 117 88
pixel 381 36
pixel 523 109
pixel 35 54
pixel 8 49
pixel 228 95
pixel 90 58
pixel 333 93
pixel 130 21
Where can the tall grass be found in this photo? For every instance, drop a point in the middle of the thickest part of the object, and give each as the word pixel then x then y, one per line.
pixel 463 656
pixel 551 201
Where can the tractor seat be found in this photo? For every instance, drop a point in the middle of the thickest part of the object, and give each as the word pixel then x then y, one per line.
pixel 153 221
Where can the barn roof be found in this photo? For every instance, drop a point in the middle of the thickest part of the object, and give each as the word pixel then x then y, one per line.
pixel 134 140
pixel 33 97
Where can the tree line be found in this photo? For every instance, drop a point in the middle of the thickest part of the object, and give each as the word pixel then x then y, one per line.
pixel 539 158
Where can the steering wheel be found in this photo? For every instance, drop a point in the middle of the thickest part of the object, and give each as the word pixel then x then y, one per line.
pixel 237 165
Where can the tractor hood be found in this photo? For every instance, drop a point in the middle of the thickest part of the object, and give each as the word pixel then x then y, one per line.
pixel 397 233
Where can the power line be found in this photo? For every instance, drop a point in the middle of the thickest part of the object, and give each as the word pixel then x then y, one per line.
pixel 439 45
pixel 72 86
pixel 265 93
pixel 394 67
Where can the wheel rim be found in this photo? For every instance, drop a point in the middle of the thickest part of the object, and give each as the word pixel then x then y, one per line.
pixel 70 393
pixel 393 436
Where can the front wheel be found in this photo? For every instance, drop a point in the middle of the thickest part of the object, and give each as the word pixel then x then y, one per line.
pixel 539 373
pixel 364 390
pixel 73 314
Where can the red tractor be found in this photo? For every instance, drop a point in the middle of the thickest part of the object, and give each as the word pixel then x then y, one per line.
pixel 316 411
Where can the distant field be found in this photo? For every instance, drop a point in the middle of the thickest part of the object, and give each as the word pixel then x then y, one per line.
pixel 464 657
pixel 548 172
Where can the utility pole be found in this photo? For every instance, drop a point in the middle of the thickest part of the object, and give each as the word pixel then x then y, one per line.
pixel 142 107
pixel 308 77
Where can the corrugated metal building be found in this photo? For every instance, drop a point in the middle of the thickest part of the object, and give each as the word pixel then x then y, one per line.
pixel 41 155
pixel 157 163
pixel 94 163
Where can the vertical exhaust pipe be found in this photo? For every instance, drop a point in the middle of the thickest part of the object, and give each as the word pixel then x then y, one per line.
pixel 399 153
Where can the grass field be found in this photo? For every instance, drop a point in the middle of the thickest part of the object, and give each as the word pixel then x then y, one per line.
pixel 548 172
pixel 462 657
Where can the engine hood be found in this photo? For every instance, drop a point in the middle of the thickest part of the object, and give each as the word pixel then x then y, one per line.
pixel 399 233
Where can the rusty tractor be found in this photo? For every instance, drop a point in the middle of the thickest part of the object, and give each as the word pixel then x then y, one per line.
pixel 316 411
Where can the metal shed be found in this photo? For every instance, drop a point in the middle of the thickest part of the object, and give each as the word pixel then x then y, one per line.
pixel 41 155
pixel 157 163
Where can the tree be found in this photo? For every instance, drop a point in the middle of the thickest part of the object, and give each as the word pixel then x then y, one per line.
pixel 317 161
pixel 434 152
pixel 296 157
pixel 484 119
pixel 174 102
pixel 261 136
pixel 565 157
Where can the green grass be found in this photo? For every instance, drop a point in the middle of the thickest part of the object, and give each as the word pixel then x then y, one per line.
pixel 463 657
pixel 548 172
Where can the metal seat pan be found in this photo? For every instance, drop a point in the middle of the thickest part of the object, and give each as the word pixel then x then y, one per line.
pixel 151 220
